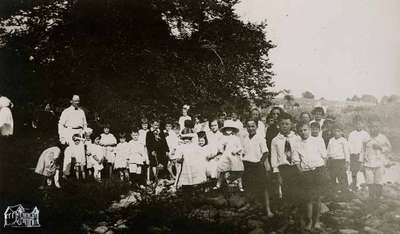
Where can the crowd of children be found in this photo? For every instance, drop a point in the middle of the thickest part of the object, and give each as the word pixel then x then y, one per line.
pixel 268 157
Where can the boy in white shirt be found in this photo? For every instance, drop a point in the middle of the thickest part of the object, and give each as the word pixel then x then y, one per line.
pixel 312 155
pixel 374 159
pixel 254 159
pixel 137 159
pixel 357 139
pixel 338 159
pixel 285 158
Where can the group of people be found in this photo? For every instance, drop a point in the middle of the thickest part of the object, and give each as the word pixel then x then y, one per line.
pixel 268 157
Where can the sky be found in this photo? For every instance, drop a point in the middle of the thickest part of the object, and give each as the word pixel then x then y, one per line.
pixel 333 48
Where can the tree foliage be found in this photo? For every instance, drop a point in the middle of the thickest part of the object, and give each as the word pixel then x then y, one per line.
pixel 130 57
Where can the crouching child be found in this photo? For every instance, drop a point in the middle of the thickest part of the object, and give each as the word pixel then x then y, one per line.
pixel 48 168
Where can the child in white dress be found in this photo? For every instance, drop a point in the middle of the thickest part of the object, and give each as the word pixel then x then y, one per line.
pixel 192 170
pixel 95 157
pixel 137 159
pixel 230 166
pixel 172 140
pixel 108 141
pixel 122 154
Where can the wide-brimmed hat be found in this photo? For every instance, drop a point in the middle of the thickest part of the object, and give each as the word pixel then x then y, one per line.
pixel 188 136
pixel 230 125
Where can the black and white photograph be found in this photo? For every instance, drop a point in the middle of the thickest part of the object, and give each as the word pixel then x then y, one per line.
pixel 200 116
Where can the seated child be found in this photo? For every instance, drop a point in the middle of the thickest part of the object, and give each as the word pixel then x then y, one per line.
pixel 47 167
pixel 94 157
pixel 74 158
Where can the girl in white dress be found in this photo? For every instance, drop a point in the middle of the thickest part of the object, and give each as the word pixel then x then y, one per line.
pixel 122 152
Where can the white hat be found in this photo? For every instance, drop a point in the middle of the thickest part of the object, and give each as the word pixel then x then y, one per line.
pixel 188 135
pixel 4 102
pixel 230 124
pixel 187 107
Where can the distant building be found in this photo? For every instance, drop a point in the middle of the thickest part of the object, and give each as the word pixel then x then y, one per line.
pixel 18 216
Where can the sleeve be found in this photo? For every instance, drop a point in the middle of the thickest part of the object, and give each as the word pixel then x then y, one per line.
pixel 41 163
pixel 3 116
pixel 84 120
pixel 329 149
pixel 322 149
pixel 295 150
pixel 363 151
pixel 63 120
pixel 386 146
pixel 350 140
pixel 346 149
pixel 113 140
pixel 178 153
pixel 274 156
pixel 263 146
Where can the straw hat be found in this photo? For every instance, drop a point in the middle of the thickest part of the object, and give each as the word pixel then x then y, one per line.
pixel 230 125
pixel 187 136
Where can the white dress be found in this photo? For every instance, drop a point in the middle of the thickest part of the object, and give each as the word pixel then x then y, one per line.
pixel 74 153
pixel 231 159
pixel 122 152
pixel 210 165
pixel 108 140
pixel 193 167
pixel 94 151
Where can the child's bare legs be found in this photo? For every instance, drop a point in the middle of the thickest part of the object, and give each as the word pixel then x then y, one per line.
pixel 83 171
pixel 77 172
pixel 317 213
pixel 240 184
pixel 309 213
pixel 57 179
pixel 154 170
pixel 49 181
pixel 267 203
pixel 221 178
pixel 171 172
pixel 122 174
pixel 126 174
pixel 97 174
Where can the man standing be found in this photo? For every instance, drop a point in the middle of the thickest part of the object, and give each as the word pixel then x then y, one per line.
pixel 72 121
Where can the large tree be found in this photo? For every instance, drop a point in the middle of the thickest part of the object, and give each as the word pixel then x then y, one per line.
pixel 130 57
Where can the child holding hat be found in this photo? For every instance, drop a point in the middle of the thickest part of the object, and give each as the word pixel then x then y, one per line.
pixel 230 164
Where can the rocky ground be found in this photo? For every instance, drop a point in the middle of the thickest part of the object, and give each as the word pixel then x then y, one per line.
pixel 231 212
